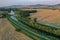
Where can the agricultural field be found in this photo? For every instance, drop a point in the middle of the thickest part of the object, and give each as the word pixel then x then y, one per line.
pixel 44 19
pixel 47 16
pixel 7 31
pixel 26 21
pixel 58 7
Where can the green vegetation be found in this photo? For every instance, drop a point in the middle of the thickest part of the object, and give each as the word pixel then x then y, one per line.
pixel 40 26
pixel 25 30
pixel 22 16
pixel 30 32
pixel 9 9
pixel 25 13
pixel 43 27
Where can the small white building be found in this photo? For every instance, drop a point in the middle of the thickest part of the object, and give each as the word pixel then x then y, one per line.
pixel 11 13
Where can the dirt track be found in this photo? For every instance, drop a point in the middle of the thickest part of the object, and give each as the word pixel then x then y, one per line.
pixel 7 32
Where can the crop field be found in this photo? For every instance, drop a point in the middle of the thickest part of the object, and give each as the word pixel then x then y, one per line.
pixel 7 31
pixel 47 16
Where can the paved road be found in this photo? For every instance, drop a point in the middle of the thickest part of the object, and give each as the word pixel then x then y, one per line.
pixel 7 32
pixel 26 28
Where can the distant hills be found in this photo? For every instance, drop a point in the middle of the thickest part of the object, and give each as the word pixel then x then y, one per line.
pixel 57 5
pixel 22 6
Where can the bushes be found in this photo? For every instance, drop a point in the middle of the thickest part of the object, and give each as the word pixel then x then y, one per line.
pixel 26 13
pixel 18 29
pixel 41 26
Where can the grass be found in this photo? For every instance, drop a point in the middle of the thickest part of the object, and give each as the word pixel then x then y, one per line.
pixel 27 23
pixel 47 16
pixel 26 32
pixel 41 26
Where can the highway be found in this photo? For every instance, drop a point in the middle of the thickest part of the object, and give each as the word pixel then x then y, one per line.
pixel 40 25
pixel 30 30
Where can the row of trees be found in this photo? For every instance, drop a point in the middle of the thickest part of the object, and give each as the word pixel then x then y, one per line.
pixel 46 28
pixel 9 9
pixel 26 13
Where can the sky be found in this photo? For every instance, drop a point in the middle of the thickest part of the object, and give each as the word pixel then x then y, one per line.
pixel 27 2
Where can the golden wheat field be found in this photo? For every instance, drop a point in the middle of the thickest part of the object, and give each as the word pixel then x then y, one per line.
pixel 47 16
pixel 7 31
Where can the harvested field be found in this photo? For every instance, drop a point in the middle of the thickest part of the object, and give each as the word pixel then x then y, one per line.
pixel 51 17
pixel 7 31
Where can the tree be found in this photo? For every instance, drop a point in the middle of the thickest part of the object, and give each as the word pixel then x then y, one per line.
pixel 35 19
pixel 34 22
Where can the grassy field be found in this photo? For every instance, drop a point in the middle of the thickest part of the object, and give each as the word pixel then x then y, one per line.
pixel 7 31
pixel 46 16
pixel 46 20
